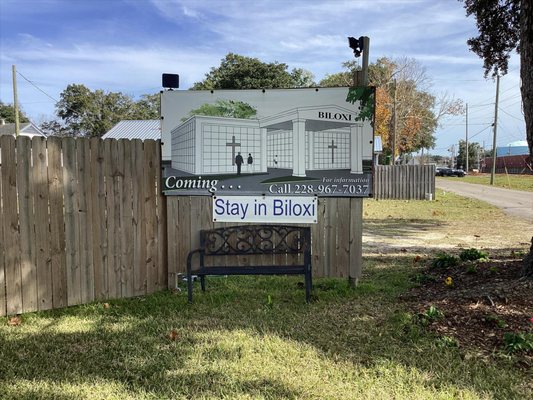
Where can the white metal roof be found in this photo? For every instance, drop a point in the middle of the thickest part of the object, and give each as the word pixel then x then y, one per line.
pixel 135 129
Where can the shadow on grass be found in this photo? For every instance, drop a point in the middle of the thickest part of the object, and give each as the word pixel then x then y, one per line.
pixel 233 328
pixel 398 227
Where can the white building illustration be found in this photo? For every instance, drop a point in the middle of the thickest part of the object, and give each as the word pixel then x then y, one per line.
pixel 306 138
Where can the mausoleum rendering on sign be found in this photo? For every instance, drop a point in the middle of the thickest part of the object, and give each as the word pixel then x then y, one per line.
pixel 312 138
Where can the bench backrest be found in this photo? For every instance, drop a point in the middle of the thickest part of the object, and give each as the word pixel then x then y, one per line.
pixel 256 239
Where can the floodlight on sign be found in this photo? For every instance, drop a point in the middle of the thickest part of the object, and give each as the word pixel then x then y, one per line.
pixel 356 45
pixel 171 81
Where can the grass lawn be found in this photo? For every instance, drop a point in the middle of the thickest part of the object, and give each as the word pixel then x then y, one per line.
pixel 255 338
pixel 510 181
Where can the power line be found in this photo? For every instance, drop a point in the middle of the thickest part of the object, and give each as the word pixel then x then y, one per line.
pixel 511 98
pixel 512 104
pixel 37 87
pixel 481 131
pixel 511 88
pixel 511 115
pixel 482 105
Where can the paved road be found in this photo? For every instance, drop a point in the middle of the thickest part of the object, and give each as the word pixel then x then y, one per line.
pixel 513 202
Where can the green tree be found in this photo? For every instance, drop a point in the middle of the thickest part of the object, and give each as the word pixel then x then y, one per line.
pixel 474 153
pixel 225 108
pixel 7 113
pixel 240 72
pixel 505 26
pixel 93 113
pixel 55 128
pixel 343 78
pixel 148 107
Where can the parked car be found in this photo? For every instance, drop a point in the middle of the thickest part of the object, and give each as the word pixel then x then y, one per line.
pixel 444 171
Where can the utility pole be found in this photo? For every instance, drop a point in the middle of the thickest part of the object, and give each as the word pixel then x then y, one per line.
pixel 15 101
pixel 394 125
pixel 484 157
pixel 495 130
pixel 452 150
pixel 467 155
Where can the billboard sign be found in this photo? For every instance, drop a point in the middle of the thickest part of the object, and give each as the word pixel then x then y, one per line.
pixel 297 142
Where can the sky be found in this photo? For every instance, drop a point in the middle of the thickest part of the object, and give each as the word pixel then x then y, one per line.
pixel 125 46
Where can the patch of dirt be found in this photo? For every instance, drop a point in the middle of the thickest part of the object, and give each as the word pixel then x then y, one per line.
pixel 484 301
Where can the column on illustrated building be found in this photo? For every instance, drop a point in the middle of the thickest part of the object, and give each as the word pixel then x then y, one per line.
pixel 311 153
pixel 263 158
pixel 298 145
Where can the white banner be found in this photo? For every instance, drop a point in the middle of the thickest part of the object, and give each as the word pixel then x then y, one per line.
pixel 277 209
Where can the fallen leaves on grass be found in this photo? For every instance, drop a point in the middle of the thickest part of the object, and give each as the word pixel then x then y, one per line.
pixel 14 321
pixel 173 335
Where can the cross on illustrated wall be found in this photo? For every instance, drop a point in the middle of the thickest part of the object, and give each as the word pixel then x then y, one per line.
pixel 233 145
pixel 332 147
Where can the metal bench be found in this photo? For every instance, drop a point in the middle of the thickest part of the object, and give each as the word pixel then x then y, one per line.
pixel 251 240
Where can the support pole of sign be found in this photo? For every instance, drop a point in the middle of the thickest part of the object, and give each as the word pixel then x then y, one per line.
pixel 360 47
pixel 366 48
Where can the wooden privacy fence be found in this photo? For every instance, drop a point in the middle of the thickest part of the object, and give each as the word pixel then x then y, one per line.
pixel 80 220
pixel 404 182
pixel 336 238
pixel 84 219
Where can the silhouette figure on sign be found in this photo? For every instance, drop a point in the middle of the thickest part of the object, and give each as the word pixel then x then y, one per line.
pixel 239 161
pixel 250 159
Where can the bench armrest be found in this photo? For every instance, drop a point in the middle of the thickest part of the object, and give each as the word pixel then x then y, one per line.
pixel 189 259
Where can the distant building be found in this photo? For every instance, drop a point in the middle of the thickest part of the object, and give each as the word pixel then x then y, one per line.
pixel 513 159
pixel 518 148
pixel 25 129
pixel 135 129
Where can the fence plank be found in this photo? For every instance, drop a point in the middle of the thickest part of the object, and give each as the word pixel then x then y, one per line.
pixel 71 221
pixel 150 215
pixel 26 220
pixel 85 252
pixel 98 232
pixel 162 220
pixel 139 233
pixel 317 239
pixel 343 235
pixel 127 221
pixel 42 224
pixel 57 224
pixel 195 224
pixel 184 233
pixel 331 237
pixel 206 221
pixel 12 272
pixel 113 231
pixel 172 234
pixel 118 178
pixel 356 239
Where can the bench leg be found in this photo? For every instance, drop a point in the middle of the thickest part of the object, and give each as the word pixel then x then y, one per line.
pixel 308 286
pixel 202 282
pixel 189 287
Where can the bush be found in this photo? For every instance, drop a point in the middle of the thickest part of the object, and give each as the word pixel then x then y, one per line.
pixel 518 342
pixel 444 260
pixel 472 255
